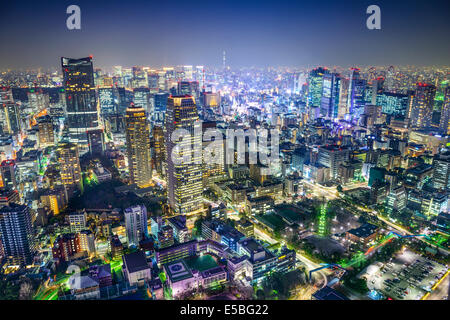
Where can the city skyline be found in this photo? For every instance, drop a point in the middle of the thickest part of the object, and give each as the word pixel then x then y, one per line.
pixel 211 151
pixel 256 34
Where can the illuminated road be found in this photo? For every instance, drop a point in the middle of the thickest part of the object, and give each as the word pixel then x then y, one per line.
pixel 401 229
pixel 263 236
pixel 319 191
pixel 320 276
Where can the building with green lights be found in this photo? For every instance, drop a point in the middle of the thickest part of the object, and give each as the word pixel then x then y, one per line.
pixel 395 104
pixel 315 86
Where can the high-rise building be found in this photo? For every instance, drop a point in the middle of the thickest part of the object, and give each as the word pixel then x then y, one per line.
pixel 138 146
pixel 160 107
pixel 141 98
pixel 212 171
pixel 136 224
pixel 332 157
pixel 444 124
pixel 158 149
pixel 11 118
pixel 188 72
pixel 315 84
pixel 46 136
pixel 8 179
pixel 16 234
pixel 38 100
pixel 343 97
pixel 356 98
pixel 393 103
pixel 9 112
pixel 69 164
pixel 188 88
pixel 441 172
pixel 8 196
pixel 329 105
pixel 96 141
pixel 422 107
pixel 81 102
pixel 184 178
pixel 109 100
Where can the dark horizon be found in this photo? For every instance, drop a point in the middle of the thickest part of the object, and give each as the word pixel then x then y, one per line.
pixel 253 33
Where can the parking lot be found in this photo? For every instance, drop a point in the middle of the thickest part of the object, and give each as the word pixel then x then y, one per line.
pixel 407 276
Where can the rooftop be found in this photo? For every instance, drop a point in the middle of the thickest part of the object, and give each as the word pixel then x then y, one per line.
pixel 177 271
pixel 135 261
pixel 364 231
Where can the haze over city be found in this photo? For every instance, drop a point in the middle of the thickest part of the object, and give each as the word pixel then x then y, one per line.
pixel 253 33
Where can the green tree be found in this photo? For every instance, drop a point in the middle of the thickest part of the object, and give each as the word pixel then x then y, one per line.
pixel 198 227
pixel 357 284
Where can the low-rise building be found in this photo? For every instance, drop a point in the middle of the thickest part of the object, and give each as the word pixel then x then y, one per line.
pixel 365 233
pixel 136 268
pixel 84 287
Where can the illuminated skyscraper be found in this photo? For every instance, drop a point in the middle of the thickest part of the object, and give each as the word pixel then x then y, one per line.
pixel 184 180
pixel 343 95
pixel 315 83
pixel 138 146
pixel 441 172
pixel 6 99
pixel 188 72
pixel 46 135
pixel 393 103
pixel 330 95
pixel 12 118
pixel 160 107
pixel 158 149
pixel 444 124
pixel 8 170
pixel 96 141
pixel 38 100
pixel 109 100
pixel 10 112
pixel 422 107
pixel 212 171
pixel 81 103
pixel 141 97
pixel 356 94
pixel 188 88
pixel 69 164
pixel 16 234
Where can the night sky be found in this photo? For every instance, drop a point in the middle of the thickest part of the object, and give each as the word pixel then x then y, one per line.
pixel 253 33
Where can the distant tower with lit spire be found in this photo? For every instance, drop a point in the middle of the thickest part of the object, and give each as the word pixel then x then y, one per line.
pixel 224 60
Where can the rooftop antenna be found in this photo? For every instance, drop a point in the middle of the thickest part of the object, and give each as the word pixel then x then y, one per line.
pixel 203 79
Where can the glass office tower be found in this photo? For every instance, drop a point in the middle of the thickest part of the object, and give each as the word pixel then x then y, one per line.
pixel 82 112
